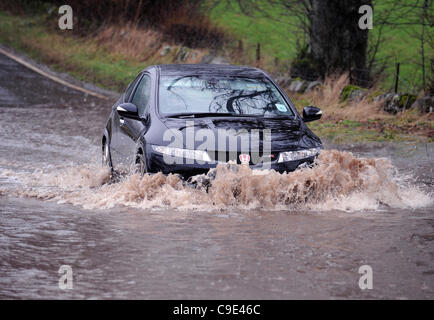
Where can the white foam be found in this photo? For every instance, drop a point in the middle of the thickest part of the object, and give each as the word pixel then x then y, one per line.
pixel 339 181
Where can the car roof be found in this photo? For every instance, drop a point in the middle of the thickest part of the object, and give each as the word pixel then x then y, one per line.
pixel 210 69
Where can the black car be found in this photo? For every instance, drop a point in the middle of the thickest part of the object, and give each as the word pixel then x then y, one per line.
pixel 186 119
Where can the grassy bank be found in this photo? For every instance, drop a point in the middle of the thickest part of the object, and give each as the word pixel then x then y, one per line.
pixel 81 58
pixel 111 60
pixel 362 120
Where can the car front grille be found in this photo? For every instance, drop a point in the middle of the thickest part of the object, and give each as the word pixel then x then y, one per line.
pixel 224 156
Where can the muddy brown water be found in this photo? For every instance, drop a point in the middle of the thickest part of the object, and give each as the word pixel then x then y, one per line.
pixel 301 235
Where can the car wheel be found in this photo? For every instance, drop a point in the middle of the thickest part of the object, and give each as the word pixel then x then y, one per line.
pixel 106 159
pixel 140 164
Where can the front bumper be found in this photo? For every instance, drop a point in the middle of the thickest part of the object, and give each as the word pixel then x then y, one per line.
pixel 156 163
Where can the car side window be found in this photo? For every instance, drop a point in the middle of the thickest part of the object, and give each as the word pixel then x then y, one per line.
pixel 131 87
pixel 142 94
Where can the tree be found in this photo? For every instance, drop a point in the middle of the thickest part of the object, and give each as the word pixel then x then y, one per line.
pixel 335 43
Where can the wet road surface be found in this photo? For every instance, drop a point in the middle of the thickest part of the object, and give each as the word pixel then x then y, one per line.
pixel 54 211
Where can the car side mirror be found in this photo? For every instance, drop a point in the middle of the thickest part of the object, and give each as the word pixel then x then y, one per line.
pixel 128 110
pixel 311 113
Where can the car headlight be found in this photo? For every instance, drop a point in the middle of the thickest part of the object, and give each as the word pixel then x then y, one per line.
pixel 298 155
pixel 198 155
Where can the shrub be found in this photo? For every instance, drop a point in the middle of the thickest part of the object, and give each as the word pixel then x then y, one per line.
pixel 406 100
pixel 304 65
pixel 191 28
pixel 181 21
pixel 346 91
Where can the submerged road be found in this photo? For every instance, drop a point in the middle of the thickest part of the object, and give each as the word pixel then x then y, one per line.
pixel 55 210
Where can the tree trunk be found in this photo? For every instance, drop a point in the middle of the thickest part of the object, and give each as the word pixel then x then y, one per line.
pixel 336 41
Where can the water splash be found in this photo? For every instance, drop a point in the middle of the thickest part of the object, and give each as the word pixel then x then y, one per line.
pixel 339 181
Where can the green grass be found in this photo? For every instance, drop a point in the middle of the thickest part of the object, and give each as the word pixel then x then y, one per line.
pixel 401 45
pixel 278 39
pixel 271 32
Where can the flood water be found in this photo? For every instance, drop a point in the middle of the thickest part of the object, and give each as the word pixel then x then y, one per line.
pixel 252 236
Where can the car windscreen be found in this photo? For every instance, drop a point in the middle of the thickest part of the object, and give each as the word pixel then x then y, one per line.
pixel 180 94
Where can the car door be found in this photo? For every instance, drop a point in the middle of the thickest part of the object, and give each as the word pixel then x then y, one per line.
pixel 115 142
pixel 130 129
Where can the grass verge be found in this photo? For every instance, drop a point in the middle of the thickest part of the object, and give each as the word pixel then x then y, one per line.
pixel 82 58
pixel 364 120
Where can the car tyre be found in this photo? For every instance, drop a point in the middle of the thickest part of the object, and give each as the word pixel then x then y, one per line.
pixel 141 164
pixel 106 157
